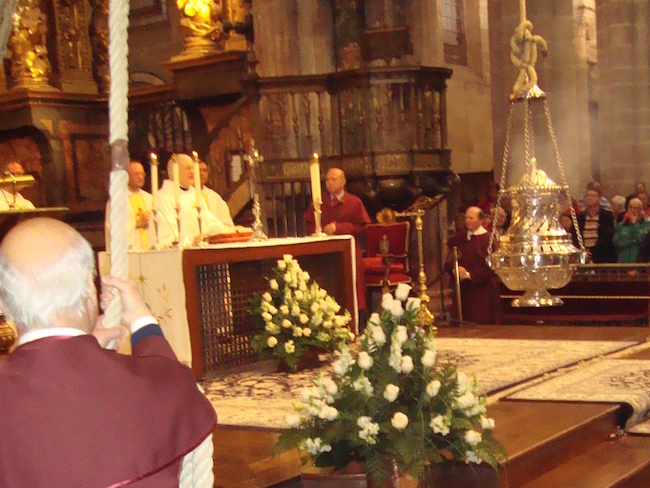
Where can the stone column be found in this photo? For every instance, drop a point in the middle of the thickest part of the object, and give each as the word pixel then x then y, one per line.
pixel 276 37
pixel 293 37
pixel 623 93
pixel 425 23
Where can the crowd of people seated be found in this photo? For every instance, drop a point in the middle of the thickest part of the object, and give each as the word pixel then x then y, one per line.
pixel 613 230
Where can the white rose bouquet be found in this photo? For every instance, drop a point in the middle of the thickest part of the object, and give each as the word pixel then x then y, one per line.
pixel 393 401
pixel 295 316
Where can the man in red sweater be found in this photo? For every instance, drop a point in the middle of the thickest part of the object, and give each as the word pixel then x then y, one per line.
pixel 73 413
pixel 343 213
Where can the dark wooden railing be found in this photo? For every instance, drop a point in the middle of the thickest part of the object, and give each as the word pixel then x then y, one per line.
pixel 598 294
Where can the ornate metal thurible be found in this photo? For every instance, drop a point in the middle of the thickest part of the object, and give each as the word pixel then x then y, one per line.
pixel 30 65
pixel 535 254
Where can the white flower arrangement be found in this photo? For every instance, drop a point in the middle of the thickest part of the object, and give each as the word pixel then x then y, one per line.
pixel 393 401
pixel 296 315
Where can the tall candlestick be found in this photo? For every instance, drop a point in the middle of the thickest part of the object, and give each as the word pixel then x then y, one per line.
pixel 176 178
pixel 251 177
pixel 197 180
pixel 314 172
pixel 153 166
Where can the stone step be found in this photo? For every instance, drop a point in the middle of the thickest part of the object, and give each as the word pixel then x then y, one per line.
pixel 622 462
pixel 540 436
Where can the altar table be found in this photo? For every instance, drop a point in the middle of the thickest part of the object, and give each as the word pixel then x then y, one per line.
pixel 201 296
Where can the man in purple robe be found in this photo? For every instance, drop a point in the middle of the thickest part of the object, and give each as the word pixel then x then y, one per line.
pixel 479 286
pixel 73 413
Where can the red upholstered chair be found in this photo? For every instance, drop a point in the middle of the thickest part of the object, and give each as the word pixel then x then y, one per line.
pixel 386 263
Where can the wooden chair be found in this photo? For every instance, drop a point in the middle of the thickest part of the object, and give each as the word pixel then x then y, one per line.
pixel 386 263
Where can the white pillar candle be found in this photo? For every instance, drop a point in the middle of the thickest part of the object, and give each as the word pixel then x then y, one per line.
pixel 153 166
pixel 314 172
pixel 176 178
pixel 197 180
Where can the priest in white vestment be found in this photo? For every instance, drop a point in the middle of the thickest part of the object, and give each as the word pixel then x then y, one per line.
pixel 189 225
pixel 215 203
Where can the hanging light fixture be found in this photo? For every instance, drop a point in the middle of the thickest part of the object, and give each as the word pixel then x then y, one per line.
pixel 535 254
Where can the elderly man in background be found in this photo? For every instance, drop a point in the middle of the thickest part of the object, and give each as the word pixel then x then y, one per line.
pixel 343 213
pixel 13 200
pixel 213 200
pixel 139 225
pixel 645 200
pixel 479 286
pixel 74 414
pixel 619 205
pixel 596 225
pixel 190 232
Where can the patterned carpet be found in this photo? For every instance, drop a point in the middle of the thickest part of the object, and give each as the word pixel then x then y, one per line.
pixel 640 429
pixel 609 380
pixel 263 397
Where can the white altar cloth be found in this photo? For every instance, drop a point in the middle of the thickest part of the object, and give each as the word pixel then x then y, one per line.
pixel 158 276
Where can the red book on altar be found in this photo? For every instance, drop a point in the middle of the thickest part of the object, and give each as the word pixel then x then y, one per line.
pixel 241 234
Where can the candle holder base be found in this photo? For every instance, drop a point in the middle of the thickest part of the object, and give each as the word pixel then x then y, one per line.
pixel 259 235
pixel 425 318
pixel 202 244
pixel 318 231
pixel 258 230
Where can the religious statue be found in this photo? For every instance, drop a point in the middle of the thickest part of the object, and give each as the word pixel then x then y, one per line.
pixel 30 64
pixel 523 53
pixel 202 24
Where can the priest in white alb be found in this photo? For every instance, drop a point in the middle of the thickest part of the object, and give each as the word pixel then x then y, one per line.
pixel 213 200
pixel 180 192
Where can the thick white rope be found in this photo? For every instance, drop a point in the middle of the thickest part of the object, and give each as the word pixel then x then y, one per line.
pixel 118 52
pixel 197 467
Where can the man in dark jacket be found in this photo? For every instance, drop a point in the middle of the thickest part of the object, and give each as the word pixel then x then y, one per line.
pixel 597 228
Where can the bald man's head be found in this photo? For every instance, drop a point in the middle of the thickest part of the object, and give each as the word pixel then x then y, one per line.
pixel 137 175
pixel 185 170
pixel 46 276
pixel 473 218
pixel 335 180
pixel 15 168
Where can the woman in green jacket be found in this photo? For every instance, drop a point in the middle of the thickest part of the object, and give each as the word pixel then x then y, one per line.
pixel 630 232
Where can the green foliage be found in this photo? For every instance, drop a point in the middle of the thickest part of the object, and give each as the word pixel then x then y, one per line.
pixel 296 315
pixel 393 401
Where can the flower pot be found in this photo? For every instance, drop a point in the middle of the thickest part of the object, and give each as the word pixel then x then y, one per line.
pixel 309 360
pixel 351 476
pixel 460 475
pixel 457 475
